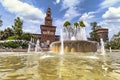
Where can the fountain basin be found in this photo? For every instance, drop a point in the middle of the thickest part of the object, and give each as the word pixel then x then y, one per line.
pixel 75 46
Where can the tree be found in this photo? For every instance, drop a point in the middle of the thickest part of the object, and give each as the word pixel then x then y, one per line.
pixel 1 22
pixel 76 24
pixel 93 35
pixel 27 36
pixel 67 23
pixel 67 29
pixel 1 35
pixel 94 25
pixel 81 23
pixel 17 27
pixel 115 44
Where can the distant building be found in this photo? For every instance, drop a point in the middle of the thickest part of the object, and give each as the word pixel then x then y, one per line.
pixel 103 33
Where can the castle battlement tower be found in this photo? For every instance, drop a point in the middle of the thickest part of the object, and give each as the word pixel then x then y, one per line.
pixel 48 30
pixel 48 18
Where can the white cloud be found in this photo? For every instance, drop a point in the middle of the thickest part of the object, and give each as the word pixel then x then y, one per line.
pixel 71 6
pixel 59 23
pixel 57 2
pixel 32 29
pixel 71 13
pixel 112 13
pixel 70 3
pixel 23 10
pixel 111 20
pixel 108 3
pixel 88 18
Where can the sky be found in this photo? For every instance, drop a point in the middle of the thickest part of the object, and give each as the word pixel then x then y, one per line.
pixel 105 12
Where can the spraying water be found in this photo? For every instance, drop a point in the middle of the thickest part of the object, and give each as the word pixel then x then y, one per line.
pixel 61 53
pixel 102 47
pixel 29 45
pixel 83 33
pixel 110 49
pixel 73 38
pixel 62 42
pixel 37 46
pixel 104 66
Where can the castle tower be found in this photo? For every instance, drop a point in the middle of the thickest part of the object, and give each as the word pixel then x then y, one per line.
pixel 48 30
pixel 103 33
pixel 48 18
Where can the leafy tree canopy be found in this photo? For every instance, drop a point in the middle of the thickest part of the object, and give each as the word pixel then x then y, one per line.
pixel 67 23
pixel 1 22
pixel 81 23
pixel 76 24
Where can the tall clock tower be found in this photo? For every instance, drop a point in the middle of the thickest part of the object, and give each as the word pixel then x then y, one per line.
pixel 48 18
pixel 48 30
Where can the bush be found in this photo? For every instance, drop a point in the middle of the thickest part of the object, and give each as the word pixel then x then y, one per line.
pixel 11 44
pixel 113 44
pixel 14 44
pixel 12 37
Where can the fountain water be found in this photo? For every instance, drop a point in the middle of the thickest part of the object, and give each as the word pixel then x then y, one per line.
pixel 103 53
pixel 32 44
pixel 110 49
pixel 29 45
pixel 102 47
pixel 81 34
pixel 37 46
pixel 61 53
pixel 73 38
pixel 62 42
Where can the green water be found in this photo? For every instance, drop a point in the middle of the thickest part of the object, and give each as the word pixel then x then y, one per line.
pixel 88 66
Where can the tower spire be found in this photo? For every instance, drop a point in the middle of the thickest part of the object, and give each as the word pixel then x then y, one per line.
pixel 48 18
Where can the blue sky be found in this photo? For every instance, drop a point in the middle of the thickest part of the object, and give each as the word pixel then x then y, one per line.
pixel 105 12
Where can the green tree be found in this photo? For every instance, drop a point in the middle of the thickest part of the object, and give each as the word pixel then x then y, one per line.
pixel 66 24
pixel 94 25
pixel 27 36
pixel 8 32
pixel 81 23
pixel 93 35
pixel 114 44
pixel 1 35
pixel 17 27
pixel 76 24
pixel 1 22
pixel 68 29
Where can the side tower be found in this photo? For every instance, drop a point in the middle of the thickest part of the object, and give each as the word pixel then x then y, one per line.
pixel 103 33
pixel 47 30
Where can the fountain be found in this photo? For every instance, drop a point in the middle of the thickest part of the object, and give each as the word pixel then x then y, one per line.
pixel 75 43
pixel 51 66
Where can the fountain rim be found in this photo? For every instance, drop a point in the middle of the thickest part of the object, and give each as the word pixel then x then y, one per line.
pixel 74 41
